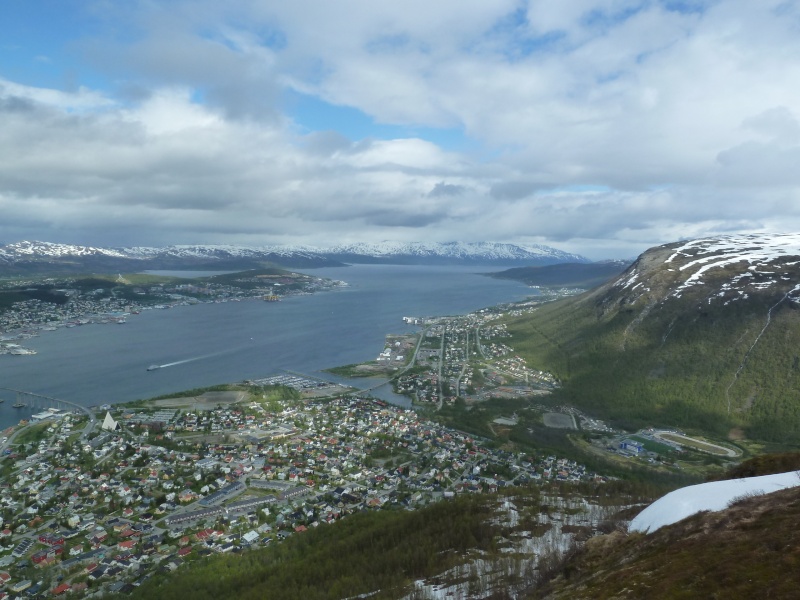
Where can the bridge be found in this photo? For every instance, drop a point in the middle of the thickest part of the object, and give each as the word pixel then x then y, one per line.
pixel 34 401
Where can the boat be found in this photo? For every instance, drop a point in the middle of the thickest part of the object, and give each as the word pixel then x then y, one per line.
pixel 18 405
pixel 153 367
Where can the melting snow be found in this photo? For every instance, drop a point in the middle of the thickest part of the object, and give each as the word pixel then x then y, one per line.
pixel 718 253
pixel 713 496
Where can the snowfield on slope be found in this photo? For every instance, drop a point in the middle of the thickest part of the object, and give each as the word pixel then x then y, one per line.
pixel 713 496
pixel 759 250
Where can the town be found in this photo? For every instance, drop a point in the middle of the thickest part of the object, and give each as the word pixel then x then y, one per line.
pixel 101 508
pixel 458 357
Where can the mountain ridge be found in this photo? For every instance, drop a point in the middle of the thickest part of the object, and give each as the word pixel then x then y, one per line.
pixel 574 275
pixel 696 334
pixel 38 256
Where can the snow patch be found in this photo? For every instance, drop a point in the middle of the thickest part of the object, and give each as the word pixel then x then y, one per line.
pixel 714 496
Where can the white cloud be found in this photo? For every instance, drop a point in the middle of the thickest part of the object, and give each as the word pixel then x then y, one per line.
pixel 685 120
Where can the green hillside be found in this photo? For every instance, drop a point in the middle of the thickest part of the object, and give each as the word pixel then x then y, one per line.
pixel 377 553
pixel 649 349
pixel 469 545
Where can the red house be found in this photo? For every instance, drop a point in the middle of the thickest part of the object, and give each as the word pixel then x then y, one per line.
pixel 127 545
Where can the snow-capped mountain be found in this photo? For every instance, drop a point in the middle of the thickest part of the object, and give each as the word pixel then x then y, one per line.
pixel 26 250
pixel 718 270
pixel 489 252
pixel 43 256
pixel 700 333
pixel 26 256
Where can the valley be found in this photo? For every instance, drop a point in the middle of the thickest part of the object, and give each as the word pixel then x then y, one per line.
pixel 489 300
pixel 699 335
pixel 537 427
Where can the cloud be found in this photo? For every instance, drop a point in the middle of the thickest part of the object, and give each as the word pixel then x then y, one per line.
pixel 446 189
pixel 512 190
pixel 578 123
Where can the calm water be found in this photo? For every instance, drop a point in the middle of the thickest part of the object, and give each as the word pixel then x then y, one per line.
pixel 228 342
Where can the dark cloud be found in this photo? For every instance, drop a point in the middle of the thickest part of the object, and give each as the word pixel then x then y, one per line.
pixel 14 104
pixel 757 164
pixel 447 189
pixel 512 190
pixel 396 218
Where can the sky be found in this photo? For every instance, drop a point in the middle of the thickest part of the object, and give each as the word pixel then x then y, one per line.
pixel 601 127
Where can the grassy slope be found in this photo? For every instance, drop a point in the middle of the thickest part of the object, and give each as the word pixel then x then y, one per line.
pixel 676 367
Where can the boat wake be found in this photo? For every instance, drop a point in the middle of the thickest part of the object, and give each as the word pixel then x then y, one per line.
pixel 187 360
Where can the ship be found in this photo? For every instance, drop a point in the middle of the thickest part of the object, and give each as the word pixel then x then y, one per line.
pixel 153 367
pixel 18 405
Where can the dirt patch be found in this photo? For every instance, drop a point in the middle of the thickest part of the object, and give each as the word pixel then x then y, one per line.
pixel 205 401
pixel 223 397
pixel 736 434
pixel 499 430
pixel 370 369
pixel 325 391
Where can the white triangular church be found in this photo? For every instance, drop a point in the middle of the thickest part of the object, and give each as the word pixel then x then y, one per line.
pixel 109 424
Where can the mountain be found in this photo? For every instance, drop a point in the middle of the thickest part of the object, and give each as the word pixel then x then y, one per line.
pixel 474 253
pixel 582 275
pixel 698 334
pixel 749 549
pixel 712 496
pixel 43 257
pixel 46 257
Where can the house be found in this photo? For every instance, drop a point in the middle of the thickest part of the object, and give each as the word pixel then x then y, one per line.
pixel 250 537
pixel 21 586
pixel 64 587
pixel 47 555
